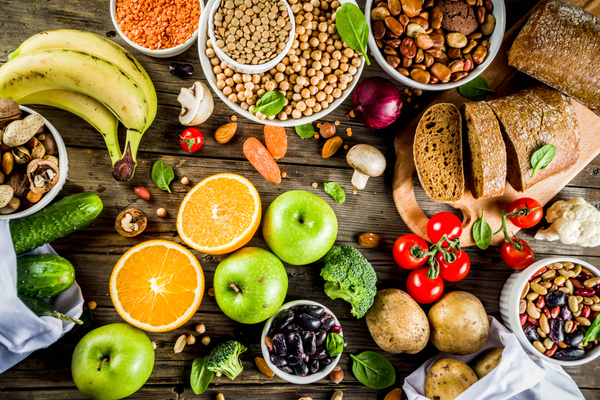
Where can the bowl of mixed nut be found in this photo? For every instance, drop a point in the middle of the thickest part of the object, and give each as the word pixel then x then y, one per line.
pixel 553 307
pixel 34 161
pixel 435 44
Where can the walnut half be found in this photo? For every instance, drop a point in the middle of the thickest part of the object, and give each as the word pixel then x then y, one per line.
pixel 43 175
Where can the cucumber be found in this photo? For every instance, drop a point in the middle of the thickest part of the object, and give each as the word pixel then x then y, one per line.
pixel 44 275
pixel 55 221
pixel 43 309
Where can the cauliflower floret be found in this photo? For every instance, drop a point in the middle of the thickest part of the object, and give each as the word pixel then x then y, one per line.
pixel 573 222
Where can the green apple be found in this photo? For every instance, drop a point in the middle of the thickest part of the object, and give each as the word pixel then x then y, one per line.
pixel 299 227
pixel 250 285
pixel 112 362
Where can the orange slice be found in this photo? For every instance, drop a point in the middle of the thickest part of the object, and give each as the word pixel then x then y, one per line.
pixel 220 214
pixel 157 285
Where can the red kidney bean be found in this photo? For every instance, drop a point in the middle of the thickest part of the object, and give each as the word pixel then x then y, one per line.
pixel 336 329
pixel 533 321
pixel 541 302
pixel 523 318
pixel 585 312
pixel 550 352
pixel 585 292
pixel 142 192
pixel 538 273
pixel 546 312
pixel 577 284
pixel 555 312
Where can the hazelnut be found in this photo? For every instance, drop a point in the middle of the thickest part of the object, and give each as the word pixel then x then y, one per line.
pixel 220 396
pixel 92 305
pixel 131 222
pixel 161 212
pixel 200 328
pixel 327 130
pixel 206 340
pixel 185 180
pixel 191 339
pixel 337 375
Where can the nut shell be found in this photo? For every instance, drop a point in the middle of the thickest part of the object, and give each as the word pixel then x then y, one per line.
pixel 44 173
pixel 138 218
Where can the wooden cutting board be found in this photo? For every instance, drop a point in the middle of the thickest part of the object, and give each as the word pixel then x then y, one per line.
pixel 505 80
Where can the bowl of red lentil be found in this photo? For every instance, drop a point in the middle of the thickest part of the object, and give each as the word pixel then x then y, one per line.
pixel 157 28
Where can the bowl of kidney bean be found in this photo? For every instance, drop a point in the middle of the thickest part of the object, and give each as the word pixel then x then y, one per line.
pixel 550 306
pixel 294 340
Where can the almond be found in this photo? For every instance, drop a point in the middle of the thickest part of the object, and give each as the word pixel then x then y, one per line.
pixel 34 197
pixel 8 162
pixel 370 240
pixel 394 395
pixel 263 367
pixel 226 132
pixel 332 145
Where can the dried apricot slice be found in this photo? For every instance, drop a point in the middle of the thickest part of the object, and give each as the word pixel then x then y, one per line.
pixel 262 160
pixel 276 140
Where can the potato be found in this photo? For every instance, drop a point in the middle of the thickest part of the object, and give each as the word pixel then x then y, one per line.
pixel 447 379
pixel 397 323
pixel 487 361
pixel 459 323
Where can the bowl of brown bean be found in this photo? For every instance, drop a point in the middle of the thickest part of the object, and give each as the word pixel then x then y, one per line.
pixel 435 44
pixel 550 305
pixel 157 28
pixel 250 51
pixel 316 74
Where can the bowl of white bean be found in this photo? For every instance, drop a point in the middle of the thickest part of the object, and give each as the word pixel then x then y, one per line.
pixel 316 75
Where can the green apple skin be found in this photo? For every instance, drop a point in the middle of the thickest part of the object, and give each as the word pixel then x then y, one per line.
pixel 299 227
pixel 261 281
pixel 129 362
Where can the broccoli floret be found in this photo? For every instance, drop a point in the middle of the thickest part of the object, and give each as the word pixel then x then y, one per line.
pixel 350 277
pixel 225 359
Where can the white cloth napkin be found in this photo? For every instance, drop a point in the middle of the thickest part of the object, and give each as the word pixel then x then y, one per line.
pixel 21 331
pixel 519 376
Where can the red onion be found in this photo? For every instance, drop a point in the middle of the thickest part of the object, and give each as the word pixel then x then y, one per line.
pixel 377 102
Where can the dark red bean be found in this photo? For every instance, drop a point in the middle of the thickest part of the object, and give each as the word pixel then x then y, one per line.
pixel 585 292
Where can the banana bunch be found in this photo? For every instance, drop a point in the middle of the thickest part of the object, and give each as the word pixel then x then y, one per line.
pixel 91 77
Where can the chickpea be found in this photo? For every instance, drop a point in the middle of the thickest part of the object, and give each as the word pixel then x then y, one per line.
pixel 352 70
pixel 301 106
pixel 244 105
pixel 356 62
pixel 300 30
pixel 261 116
pixel 316 55
pixel 302 81
pixel 229 82
pixel 310 102
pixel 323 37
pixel 328 89
pixel 296 114
pixel 325 104
pixel 288 109
pixel 317 108
pixel 293 78
pixel 326 70
pixel 285 85
pixel 332 78
pixel 256 79
pixel 239 87
pixel 248 94
pixel 282 116
pixel 296 67
pixel 305 93
pixel 338 44
pixel 334 64
pixel 260 92
pixel 217 69
pixel 270 85
pixel 215 63
pixel 221 85
pixel 241 96
pixel 331 29
pixel 249 85
pixel 297 97
pixel 229 72
pixel 314 42
pixel 237 78
pixel 348 52
pixel 227 90
pixel 317 65
pixel 320 75
pixel 320 96
pixel 329 98
pixel 322 27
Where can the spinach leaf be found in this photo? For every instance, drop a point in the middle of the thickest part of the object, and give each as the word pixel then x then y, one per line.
pixel 201 376
pixel 306 131
pixel 352 26
pixel 335 344
pixel 482 233
pixel 373 370
pixel 162 175
pixel 271 103
pixel 476 89
pixel 593 332
pixel 335 191
pixel 542 158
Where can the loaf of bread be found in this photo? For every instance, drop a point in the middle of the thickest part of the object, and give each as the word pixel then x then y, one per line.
pixel 560 46
pixel 438 153
pixel 529 120
pixel 487 152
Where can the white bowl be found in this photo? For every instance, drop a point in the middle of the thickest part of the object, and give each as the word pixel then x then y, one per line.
pixel 499 12
pixel 63 168
pixel 299 380
pixel 249 68
pixel 509 308
pixel 160 53
pixel 212 80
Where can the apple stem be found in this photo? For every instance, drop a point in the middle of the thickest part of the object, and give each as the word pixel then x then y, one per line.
pixel 235 288
pixel 102 363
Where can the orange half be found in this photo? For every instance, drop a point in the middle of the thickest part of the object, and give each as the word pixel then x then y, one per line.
pixel 157 285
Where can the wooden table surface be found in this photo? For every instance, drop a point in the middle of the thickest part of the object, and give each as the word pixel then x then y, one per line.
pixel 94 251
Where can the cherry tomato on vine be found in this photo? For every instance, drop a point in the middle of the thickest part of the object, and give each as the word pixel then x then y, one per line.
pixel 423 289
pixel 441 224
pixel 515 258
pixel 454 271
pixel 532 217
pixel 402 251
pixel 191 140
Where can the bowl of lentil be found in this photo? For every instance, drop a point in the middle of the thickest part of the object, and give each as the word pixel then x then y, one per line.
pixel 157 28
pixel 316 75
pixel 550 305
pixel 248 52
pixel 406 45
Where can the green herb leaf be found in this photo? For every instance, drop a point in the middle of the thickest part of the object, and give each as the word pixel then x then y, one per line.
pixel 88 320
pixel 335 344
pixel 271 103
pixel 482 233
pixel 201 376
pixel 593 332
pixel 373 370
pixel 476 89
pixel 335 191
pixel 306 131
pixel 542 158
pixel 162 175
pixel 352 26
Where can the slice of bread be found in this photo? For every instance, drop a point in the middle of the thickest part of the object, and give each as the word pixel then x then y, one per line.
pixel 438 153
pixel 487 151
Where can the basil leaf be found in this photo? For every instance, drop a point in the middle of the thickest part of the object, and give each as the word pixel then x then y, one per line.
pixel 482 233
pixel 335 191
pixel 271 103
pixel 306 131
pixel 162 175
pixel 542 158
pixel 352 26
pixel 201 376
pixel 335 344
pixel 476 89
pixel 593 332
pixel 373 370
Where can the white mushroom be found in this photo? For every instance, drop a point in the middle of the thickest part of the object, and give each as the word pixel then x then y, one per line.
pixel 367 161
pixel 196 104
